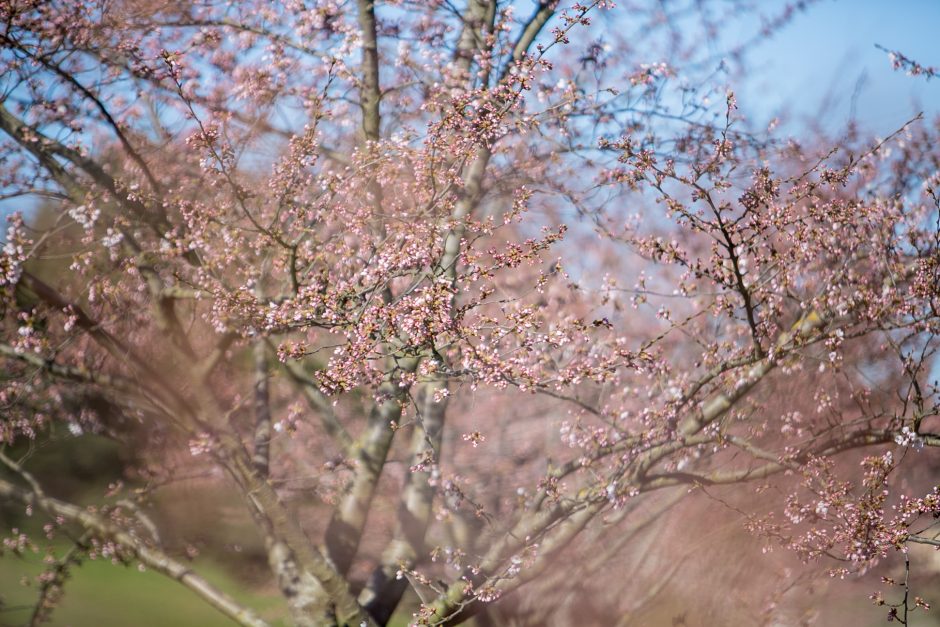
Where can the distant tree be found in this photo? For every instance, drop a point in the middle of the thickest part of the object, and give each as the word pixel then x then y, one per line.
pixel 460 297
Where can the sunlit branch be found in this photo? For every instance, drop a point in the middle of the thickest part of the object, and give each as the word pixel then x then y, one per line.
pixel 152 558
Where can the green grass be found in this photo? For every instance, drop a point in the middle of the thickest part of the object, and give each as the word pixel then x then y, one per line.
pixel 100 593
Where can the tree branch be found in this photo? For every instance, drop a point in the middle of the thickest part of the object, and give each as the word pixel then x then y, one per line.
pixel 151 557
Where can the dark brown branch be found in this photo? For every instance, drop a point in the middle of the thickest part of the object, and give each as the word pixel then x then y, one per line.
pixel 370 93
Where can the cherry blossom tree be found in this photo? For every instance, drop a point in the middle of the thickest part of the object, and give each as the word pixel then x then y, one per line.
pixel 453 294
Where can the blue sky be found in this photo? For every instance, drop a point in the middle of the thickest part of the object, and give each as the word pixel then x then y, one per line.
pixel 825 55
pixel 830 48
